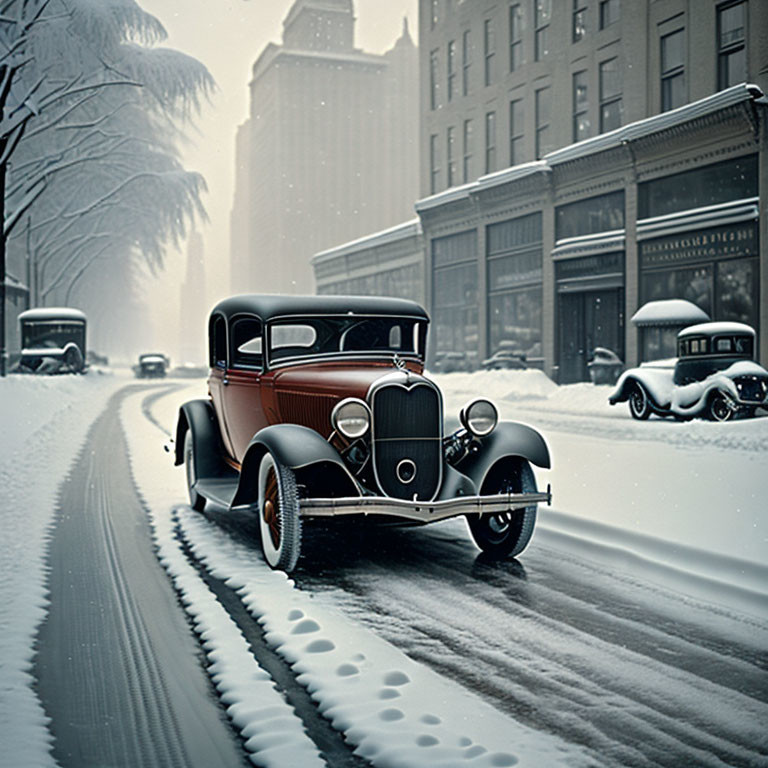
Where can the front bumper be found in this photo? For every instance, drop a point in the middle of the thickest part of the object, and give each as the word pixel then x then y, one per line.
pixel 421 511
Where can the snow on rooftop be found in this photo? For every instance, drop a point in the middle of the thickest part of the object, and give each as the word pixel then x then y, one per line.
pixel 721 327
pixel 52 313
pixel 669 312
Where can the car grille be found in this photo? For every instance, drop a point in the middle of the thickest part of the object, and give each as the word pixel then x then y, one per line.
pixel 407 433
pixel 750 388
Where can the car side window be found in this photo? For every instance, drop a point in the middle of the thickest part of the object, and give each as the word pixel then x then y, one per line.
pixel 218 342
pixel 247 343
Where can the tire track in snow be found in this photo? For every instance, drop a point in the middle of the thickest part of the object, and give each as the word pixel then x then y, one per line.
pixel 117 667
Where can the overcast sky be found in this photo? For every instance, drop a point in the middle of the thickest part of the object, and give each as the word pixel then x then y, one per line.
pixel 227 36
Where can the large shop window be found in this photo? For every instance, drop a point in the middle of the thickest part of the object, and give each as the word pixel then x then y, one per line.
pixel 716 269
pixel 455 305
pixel 588 217
pixel 710 185
pixel 514 252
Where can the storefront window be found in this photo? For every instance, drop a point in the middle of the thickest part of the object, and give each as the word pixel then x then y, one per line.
pixel 710 185
pixel 515 317
pixel 455 303
pixel 736 291
pixel 692 283
pixel 588 217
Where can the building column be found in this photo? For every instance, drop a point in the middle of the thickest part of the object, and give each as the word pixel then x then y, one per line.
pixel 631 271
pixel 482 291
pixel 548 289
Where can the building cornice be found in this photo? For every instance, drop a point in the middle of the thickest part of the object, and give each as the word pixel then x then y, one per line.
pixel 394 234
pixel 273 54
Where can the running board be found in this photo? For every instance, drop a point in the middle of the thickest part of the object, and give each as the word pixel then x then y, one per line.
pixel 219 490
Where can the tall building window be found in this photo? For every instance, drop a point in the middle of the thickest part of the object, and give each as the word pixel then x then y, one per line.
pixel 466 61
pixel 450 158
pixel 579 21
pixel 515 36
pixel 611 106
pixel 451 69
pixel 673 70
pixel 543 15
pixel 434 13
pixel 610 10
pixel 434 164
pixel 731 45
pixel 543 140
pixel 434 84
pixel 467 160
pixel 490 142
pixel 489 48
pixel 516 118
pixel 580 106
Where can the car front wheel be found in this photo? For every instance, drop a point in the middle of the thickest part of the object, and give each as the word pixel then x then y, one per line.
pixel 506 534
pixel 196 501
pixel 639 403
pixel 279 519
pixel 719 409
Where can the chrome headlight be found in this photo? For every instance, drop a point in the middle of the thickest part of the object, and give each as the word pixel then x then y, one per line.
pixel 351 418
pixel 479 417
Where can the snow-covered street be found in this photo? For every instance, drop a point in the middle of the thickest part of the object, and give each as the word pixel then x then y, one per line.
pixel 631 632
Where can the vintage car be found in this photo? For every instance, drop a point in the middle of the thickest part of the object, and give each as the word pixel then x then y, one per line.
pixel 714 376
pixel 52 340
pixel 152 365
pixel 318 408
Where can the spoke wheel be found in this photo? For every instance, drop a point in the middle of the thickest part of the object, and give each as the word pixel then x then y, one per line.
pixel 506 534
pixel 196 501
pixel 719 409
pixel 279 519
pixel 639 404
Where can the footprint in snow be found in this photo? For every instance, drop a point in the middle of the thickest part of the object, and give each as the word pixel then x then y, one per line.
pixel 305 627
pixel 396 678
pixel 426 741
pixel 347 670
pixel 389 693
pixel 295 615
pixel 320 646
pixel 390 715
pixel 431 719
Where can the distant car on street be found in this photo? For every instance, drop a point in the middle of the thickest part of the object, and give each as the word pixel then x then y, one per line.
pixel 319 408
pixel 152 365
pixel 714 377
pixel 52 340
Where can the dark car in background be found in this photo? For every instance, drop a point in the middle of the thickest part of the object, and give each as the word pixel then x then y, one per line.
pixel 52 340
pixel 152 365
pixel 319 408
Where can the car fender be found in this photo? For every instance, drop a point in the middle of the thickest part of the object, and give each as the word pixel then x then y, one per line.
pixel 199 417
pixel 298 448
pixel 510 438
pixel 658 383
pixel 691 399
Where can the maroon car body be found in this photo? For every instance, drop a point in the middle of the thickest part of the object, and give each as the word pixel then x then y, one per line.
pixel 319 407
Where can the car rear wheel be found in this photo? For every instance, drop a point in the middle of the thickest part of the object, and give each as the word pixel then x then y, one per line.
pixel 639 403
pixel 279 519
pixel 196 501
pixel 719 409
pixel 506 534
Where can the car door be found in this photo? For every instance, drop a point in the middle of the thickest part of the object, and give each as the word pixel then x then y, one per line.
pixel 241 388
pixel 217 339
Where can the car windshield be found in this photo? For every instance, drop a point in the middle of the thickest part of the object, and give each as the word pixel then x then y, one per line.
pixel 301 338
pixel 52 334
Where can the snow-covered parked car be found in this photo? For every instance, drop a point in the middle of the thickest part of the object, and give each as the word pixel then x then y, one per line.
pixel 52 340
pixel 714 377
pixel 319 408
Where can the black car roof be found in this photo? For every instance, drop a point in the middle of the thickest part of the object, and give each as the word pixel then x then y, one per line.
pixel 268 306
